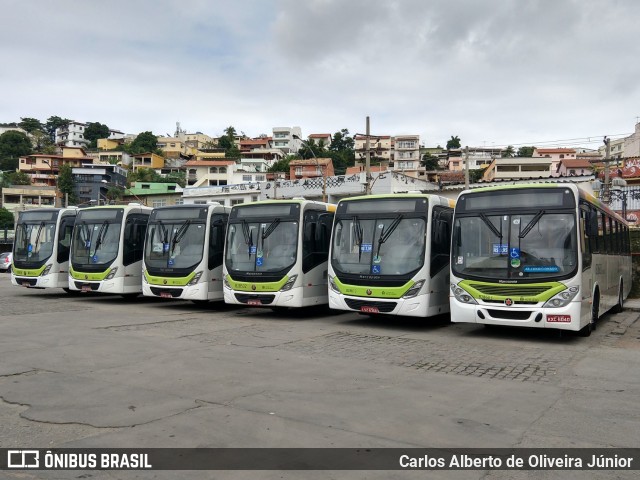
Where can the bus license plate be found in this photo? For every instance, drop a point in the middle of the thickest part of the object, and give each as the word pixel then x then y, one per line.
pixel 254 301
pixel 86 288
pixel 559 318
pixel 367 309
pixel 165 295
pixel 25 284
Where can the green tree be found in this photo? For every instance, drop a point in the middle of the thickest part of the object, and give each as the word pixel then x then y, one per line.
pixel 475 175
pixel 342 151
pixel 94 131
pixel 143 143
pixel 17 178
pixel 42 143
pixel 453 142
pixel 6 218
pixel 228 142
pixel 53 123
pixel 8 164
pixel 14 144
pixel 508 152
pixel 430 162
pixel 114 193
pixel 525 152
pixel 282 165
pixel 30 125
pixel 66 184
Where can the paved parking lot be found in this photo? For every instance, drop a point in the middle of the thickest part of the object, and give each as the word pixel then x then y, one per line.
pixel 96 371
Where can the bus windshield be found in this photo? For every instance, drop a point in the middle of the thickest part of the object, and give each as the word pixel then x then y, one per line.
pixel 96 237
pixel 515 246
pixel 34 241
pixel 267 246
pixel 174 244
pixel 389 245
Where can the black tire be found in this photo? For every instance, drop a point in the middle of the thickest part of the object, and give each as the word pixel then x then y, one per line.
pixel 71 292
pixel 619 307
pixel 200 303
pixel 130 296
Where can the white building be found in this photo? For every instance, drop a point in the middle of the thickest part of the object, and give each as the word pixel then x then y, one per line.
pixel 287 139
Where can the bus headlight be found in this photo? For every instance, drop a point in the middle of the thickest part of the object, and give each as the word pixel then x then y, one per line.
pixel 333 285
pixel 413 291
pixel 289 285
pixel 195 279
pixel 46 270
pixel 562 299
pixel 461 294
pixel 112 273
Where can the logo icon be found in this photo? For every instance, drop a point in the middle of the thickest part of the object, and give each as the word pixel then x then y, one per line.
pixel 253 287
pixel 23 459
pixel 369 292
pixel 86 277
pixel 508 302
pixel 164 281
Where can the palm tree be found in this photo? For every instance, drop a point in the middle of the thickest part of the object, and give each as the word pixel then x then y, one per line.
pixel 453 142
pixel 508 152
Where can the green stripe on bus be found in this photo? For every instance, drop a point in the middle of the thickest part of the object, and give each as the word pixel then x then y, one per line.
pixel 91 276
pixel 257 286
pixel 24 272
pixel 169 281
pixel 513 291
pixel 373 292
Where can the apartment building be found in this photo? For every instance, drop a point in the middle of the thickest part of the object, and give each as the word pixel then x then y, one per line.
pixel 380 147
pixel 93 181
pixel 313 167
pixel 287 139
pixel 519 168
pixel 147 160
pixel 72 135
pixel 43 169
pixel 479 157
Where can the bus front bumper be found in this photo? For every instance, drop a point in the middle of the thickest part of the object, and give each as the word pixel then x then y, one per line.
pixel 116 285
pixel 417 306
pixel 564 318
pixel 199 291
pixel 54 280
pixel 291 298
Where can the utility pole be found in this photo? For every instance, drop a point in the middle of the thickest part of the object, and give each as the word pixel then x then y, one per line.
pixel 466 167
pixel 607 153
pixel 367 168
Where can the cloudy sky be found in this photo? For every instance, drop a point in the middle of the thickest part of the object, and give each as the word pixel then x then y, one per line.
pixel 492 72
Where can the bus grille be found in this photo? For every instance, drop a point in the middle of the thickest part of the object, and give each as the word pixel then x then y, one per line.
pixel 510 290
pixel 93 286
pixel 174 292
pixel 26 281
pixel 383 307
pixel 510 314
pixel 264 299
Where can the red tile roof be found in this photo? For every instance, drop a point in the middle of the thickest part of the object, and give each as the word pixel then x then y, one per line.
pixel 575 163
pixel 555 150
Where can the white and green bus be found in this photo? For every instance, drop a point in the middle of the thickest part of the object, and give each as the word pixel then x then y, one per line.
pixel 390 255
pixel 107 248
pixel 276 253
pixel 537 255
pixel 41 248
pixel 183 252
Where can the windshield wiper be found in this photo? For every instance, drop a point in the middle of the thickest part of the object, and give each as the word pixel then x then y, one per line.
pixel 177 236
pixel 386 233
pixel 272 226
pixel 101 234
pixel 248 236
pixel 357 230
pixel 38 235
pixel 491 226
pixel 531 224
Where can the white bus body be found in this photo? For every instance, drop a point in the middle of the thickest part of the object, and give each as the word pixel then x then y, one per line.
pixel 183 253
pixel 390 255
pixel 107 249
pixel 539 255
pixel 276 253
pixel 41 248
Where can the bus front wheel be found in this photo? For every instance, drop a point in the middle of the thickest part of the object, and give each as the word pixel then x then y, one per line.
pixel 620 305
pixel 591 326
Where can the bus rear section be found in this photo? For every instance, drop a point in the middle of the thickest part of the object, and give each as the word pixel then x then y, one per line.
pixel 183 252
pixel 107 249
pixel 276 253
pixel 390 255
pixel 41 248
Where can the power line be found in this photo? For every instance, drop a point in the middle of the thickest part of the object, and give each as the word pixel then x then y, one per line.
pixel 578 140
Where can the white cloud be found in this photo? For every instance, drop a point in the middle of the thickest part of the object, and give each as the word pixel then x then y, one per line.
pixel 497 72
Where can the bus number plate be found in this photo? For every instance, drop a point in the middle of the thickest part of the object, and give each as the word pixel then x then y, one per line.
pixel 254 301
pixel 559 318
pixel 367 309
pixel 86 288
pixel 165 295
pixel 25 284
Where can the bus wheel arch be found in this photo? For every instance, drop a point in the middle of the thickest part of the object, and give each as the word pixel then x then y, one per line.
pixel 619 306
pixel 595 307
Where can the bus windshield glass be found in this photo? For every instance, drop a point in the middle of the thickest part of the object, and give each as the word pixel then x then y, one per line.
pixel 515 246
pixel 387 245
pixel 96 237
pixel 270 245
pixel 34 240
pixel 174 243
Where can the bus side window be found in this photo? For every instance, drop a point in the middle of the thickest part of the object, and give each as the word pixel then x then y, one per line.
pixel 603 232
pixel 134 231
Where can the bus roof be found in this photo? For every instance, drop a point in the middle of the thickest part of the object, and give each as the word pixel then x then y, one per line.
pixel 330 207
pixel 442 200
